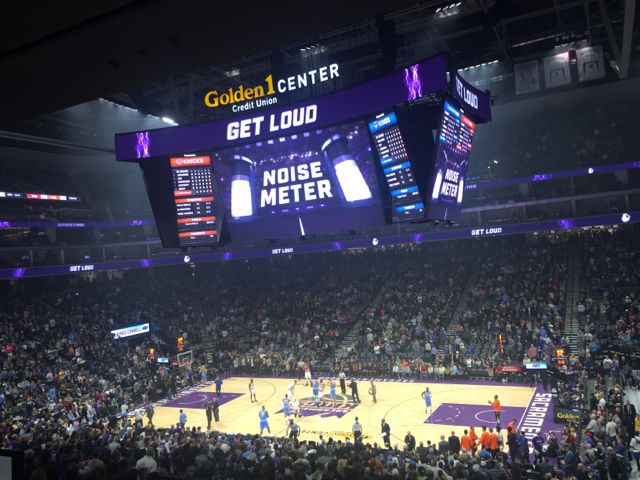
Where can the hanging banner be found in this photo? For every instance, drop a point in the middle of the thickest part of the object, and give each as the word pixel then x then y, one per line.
pixel 556 70
pixel 527 77
pixel 590 63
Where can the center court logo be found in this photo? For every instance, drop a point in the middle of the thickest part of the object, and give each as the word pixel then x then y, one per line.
pixel 309 407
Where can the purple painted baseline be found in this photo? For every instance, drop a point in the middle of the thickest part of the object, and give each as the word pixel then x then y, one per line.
pixel 447 234
pixel 342 105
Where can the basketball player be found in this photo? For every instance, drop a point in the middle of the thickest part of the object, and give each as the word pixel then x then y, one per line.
pixel 307 374
pixel 252 391
pixel 321 390
pixel 264 420
pixel 332 391
pixel 496 407
pixel 372 391
pixel 427 401
pixel 295 408
pixel 285 407
pixel 291 388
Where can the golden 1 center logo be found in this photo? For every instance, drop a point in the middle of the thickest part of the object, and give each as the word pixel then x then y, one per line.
pixel 243 98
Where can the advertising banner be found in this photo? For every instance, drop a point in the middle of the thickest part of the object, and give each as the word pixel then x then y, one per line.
pixel 409 84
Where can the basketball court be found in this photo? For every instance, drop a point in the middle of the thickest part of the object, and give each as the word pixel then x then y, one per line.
pixel 455 407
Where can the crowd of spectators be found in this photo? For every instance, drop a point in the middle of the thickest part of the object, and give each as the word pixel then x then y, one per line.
pixel 129 451
pixel 414 310
pixel 570 134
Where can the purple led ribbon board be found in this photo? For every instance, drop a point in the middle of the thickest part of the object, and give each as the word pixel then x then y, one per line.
pixel 423 78
pixel 441 235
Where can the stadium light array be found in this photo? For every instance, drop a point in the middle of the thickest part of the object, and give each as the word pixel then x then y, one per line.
pixel 448 10
pixel 471 67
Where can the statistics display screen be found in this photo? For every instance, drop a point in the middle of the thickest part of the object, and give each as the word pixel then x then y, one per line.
pixel 453 150
pixel 195 200
pixel 398 172
pixel 318 181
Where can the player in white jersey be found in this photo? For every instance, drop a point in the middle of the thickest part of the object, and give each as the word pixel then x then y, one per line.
pixel 291 388
pixel 252 392
pixel 321 391
pixel 307 374
pixel 295 407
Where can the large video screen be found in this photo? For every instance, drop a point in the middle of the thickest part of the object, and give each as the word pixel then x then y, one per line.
pixel 318 181
pixel 354 159
pixel 453 151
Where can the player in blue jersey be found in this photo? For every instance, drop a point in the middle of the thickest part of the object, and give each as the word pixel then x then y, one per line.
pixel 427 401
pixel 332 391
pixel 285 406
pixel 314 389
pixel 264 420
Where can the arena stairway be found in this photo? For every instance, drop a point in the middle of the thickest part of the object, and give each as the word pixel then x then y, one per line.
pixel 348 339
pixel 572 318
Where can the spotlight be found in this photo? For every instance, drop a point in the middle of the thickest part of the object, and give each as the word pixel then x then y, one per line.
pixel 186 259
pixel 625 218
pixel 590 170
pixel 374 241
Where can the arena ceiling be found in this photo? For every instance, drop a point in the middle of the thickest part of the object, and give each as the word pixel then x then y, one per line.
pixel 160 56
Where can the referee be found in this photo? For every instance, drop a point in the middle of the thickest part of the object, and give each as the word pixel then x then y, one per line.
pixel 293 429
pixel 357 431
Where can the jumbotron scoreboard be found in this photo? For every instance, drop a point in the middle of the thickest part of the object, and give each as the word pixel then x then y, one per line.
pixel 395 149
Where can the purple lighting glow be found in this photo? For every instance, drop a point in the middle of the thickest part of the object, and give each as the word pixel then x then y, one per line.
pixel 5 224
pixel 565 223
pixel 413 82
pixel 227 255
pixel 541 177
pixel 18 273
pixel 145 262
pixel 142 145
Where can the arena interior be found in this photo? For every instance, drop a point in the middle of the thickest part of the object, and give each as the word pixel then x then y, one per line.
pixel 352 240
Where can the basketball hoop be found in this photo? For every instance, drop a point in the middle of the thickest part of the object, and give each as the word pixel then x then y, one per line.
pixel 185 359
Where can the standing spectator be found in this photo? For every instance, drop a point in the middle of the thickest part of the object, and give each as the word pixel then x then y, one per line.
pixel 454 443
pixel 443 446
pixel 410 441
pixel 182 418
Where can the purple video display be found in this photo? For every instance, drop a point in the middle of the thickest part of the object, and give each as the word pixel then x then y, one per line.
pixel 453 150
pixel 318 181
